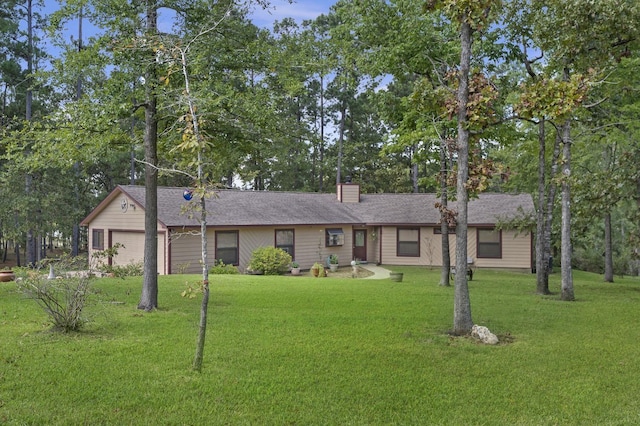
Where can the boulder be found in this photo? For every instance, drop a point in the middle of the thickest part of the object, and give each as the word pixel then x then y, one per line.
pixel 484 335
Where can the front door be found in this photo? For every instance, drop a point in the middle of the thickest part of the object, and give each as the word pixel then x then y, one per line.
pixel 360 244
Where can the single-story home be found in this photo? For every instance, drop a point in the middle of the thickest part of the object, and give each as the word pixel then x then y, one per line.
pixel 390 229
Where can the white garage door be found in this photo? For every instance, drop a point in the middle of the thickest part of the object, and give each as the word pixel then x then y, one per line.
pixel 133 250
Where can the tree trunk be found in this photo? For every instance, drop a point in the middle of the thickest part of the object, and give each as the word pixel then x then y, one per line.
pixel 444 224
pixel 608 249
pixel 551 201
pixel 42 247
pixel 462 322
pixel 202 329
pixel 542 261
pixel 343 117
pixel 31 249
pixel 636 252
pixel 75 234
pixel 567 293
pixel 17 251
pixel 414 170
pixel 321 156
pixel 149 296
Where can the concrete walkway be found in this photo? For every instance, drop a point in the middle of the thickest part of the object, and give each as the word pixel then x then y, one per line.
pixel 379 273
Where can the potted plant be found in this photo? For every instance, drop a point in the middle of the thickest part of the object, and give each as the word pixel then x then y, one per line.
pixel 322 272
pixel 295 268
pixel 315 269
pixel 7 275
pixel 333 262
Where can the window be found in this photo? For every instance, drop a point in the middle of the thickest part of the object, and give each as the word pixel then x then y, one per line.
pixel 284 241
pixel 489 243
pixel 335 237
pixel 408 242
pixel 227 247
pixel 97 239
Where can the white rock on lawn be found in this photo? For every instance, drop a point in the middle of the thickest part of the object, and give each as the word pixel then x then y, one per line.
pixel 484 335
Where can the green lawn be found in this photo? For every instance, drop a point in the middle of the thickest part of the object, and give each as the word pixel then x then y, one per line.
pixel 304 351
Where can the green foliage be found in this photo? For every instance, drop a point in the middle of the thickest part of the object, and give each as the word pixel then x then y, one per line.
pixel 221 269
pixel 551 97
pixel 120 271
pixel 270 260
pixel 263 98
pixel 473 12
pixel 101 262
pixel 584 34
pixel 590 258
pixel 480 106
pixel 523 223
pixel 191 290
pixel 318 269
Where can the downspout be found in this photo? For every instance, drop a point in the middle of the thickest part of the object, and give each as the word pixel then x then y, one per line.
pixel 380 245
pixel 532 257
pixel 109 245
pixel 167 250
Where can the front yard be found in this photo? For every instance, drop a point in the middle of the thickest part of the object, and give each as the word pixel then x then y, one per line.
pixel 302 350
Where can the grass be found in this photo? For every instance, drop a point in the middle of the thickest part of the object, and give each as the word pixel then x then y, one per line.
pixel 302 350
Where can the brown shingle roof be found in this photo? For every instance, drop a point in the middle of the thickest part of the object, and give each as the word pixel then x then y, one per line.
pixel 255 208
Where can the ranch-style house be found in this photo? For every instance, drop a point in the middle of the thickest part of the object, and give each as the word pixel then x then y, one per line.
pixel 390 229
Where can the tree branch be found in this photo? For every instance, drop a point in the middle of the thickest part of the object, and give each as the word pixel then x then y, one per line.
pixel 166 170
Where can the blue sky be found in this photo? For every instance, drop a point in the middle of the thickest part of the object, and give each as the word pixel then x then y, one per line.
pixel 299 10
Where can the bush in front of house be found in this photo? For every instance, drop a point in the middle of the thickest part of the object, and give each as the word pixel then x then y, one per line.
pixel 122 271
pixel 221 269
pixel 269 261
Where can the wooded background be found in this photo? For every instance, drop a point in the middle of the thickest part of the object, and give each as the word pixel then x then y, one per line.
pixel 366 90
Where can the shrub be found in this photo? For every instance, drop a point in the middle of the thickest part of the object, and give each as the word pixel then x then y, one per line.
pixel 592 260
pixel 101 258
pixel 62 299
pixel 122 271
pixel 65 262
pixel 270 260
pixel 220 268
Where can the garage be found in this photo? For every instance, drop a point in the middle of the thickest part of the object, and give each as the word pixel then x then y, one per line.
pixel 133 248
